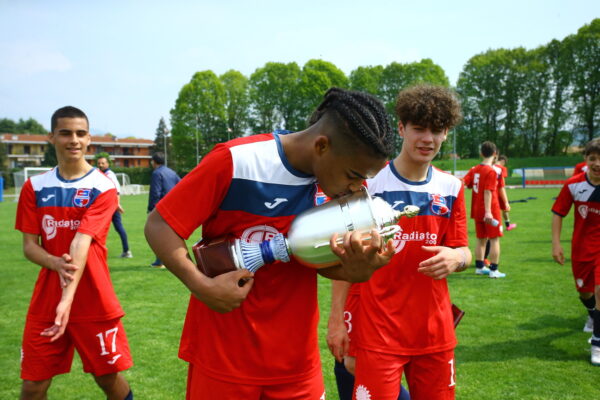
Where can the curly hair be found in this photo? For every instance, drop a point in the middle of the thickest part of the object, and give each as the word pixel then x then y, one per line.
pixel 431 106
pixel 363 116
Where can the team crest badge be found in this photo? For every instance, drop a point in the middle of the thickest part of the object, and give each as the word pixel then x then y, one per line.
pixel 82 197
pixel 320 197
pixel 438 204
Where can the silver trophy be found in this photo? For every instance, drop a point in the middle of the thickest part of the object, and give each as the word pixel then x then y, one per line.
pixel 308 237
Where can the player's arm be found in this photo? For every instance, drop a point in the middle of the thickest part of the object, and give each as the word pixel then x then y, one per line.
pixel 221 294
pixel 358 259
pixel 557 250
pixel 35 253
pixel 446 260
pixel 487 204
pixel 337 332
pixel 504 198
pixel 78 250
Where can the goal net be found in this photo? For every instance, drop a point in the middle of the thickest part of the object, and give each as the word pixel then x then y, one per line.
pixel 21 177
pixel 126 186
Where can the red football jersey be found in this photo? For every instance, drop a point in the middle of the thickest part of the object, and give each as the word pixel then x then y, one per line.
pixel 247 188
pixel 401 310
pixel 481 178
pixel 580 167
pixel 586 230
pixel 56 209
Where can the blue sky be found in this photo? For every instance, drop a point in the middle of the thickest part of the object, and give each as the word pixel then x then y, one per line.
pixel 124 62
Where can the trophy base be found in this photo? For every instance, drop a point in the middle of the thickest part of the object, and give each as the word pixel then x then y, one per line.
pixel 214 257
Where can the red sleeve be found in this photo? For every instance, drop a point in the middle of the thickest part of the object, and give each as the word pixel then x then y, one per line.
pixel 504 171
pixel 501 182
pixel 488 179
pixel 563 202
pixel 96 220
pixel 26 220
pixel 199 194
pixel 468 178
pixel 456 235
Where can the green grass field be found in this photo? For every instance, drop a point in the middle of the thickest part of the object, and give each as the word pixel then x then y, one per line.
pixel 521 337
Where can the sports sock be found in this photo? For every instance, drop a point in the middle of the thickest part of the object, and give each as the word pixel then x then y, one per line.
pixel 478 264
pixel 493 267
pixel 596 334
pixel 589 305
pixel 344 380
pixel 507 223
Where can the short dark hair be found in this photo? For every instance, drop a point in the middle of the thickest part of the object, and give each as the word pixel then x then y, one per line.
pixel 359 116
pixel 67 112
pixel 159 157
pixel 502 157
pixel 592 147
pixel 487 149
pixel 431 106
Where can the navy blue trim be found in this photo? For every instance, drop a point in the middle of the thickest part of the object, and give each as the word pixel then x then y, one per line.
pixel 284 159
pixel 60 178
pixel 403 179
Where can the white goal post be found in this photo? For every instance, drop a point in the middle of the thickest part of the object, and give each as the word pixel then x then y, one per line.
pixel 21 177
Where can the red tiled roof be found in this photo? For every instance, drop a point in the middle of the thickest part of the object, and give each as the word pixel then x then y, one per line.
pixel 9 137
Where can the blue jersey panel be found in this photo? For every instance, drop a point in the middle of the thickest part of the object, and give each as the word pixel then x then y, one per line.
pixel 428 204
pixel 56 196
pixel 268 199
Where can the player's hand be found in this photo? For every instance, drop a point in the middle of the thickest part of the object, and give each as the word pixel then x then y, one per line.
pixel 507 206
pixel 65 269
pixel 338 340
pixel 63 310
pixel 558 254
pixel 443 263
pixel 120 209
pixel 488 217
pixel 227 291
pixel 361 258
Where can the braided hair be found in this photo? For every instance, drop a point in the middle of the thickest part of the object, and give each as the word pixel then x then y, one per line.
pixel 362 115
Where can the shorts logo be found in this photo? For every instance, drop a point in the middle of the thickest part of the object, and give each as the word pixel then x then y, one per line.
pixel 438 204
pixel 82 197
pixel 583 211
pixel 259 233
pixel 49 225
pixel 579 282
pixel 362 393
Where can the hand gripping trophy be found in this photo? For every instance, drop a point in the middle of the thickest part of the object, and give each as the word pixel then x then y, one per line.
pixel 308 237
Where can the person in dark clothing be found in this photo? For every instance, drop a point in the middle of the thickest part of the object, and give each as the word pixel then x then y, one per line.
pixel 163 180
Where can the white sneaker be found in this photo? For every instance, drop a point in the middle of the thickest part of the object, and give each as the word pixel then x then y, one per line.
pixel 589 325
pixel 126 254
pixel 595 359
pixel 482 271
pixel 497 274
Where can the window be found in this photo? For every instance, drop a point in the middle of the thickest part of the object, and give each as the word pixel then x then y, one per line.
pixel 26 149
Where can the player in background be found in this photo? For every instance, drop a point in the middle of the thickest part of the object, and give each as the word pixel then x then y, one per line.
pixel 103 164
pixel 583 191
pixel 404 322
pixel 485 210
pixel 64 215
pixel 259 340
pixel 502 196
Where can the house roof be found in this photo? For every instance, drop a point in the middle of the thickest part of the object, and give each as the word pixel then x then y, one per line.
pixel 98 140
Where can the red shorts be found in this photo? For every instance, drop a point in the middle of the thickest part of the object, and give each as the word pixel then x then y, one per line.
pixel 586 275
pixel 429 376
pixel 350 312
pixel 488 231
pixel 203 387
pixel 102 346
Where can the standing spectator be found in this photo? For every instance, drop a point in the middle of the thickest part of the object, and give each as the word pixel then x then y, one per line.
pixel 64 215
pixel 103 163
pixel 404 322
pixel 259 340
pixel 583 191
pixel 502 196
pixel 485 210
pixel 163 180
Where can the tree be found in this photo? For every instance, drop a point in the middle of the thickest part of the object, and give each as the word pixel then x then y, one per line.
pixel 585 76
pixel 8 126
pixel 31 126
pixel 274 97
pixel 198 119
pixel 161 140
pixel 49 156
pixel 237 102
pixel 367 79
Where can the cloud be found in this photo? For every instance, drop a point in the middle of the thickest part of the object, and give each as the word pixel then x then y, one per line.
pixel 27 58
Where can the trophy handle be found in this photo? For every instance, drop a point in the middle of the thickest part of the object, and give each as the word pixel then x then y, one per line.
pixel 385 231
